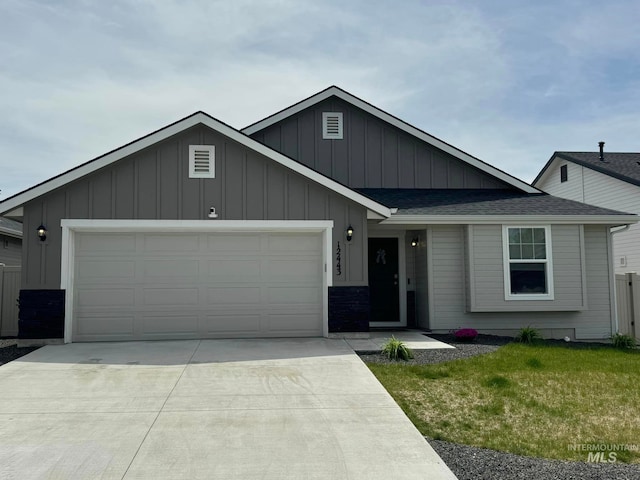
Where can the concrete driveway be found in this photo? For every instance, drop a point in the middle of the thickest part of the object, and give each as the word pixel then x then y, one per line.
pixel 232 409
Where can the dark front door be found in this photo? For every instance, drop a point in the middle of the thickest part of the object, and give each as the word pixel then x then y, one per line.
pixel 383 280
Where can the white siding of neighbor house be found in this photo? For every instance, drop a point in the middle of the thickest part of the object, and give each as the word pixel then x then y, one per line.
pixel 450 290
pixel 595 188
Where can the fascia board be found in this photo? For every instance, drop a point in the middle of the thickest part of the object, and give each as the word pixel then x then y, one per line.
pixel 545 172
pixel 10 233
pixel 612 220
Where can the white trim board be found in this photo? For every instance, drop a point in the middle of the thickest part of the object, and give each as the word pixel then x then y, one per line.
pixel 71 226
pixel 197 118
pixel 10 233
pixel 396 122
pixel 613 220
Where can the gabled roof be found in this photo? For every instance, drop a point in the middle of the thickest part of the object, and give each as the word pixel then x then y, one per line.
pixel 334 91
pixel 489 206
pixel 16 201
pixel 623 166
pixel 10 227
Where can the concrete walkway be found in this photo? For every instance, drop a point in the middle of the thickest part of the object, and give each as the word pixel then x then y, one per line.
pixel 414 339
pixel 228 409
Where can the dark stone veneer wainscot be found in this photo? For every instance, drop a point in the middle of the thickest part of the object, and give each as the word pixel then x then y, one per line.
pixel 348 309
pixel 41 314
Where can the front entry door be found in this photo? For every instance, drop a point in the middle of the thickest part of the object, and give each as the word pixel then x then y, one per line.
pixel 384 281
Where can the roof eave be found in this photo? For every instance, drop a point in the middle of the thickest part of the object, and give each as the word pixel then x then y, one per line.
pixel 10 233
pixel 612 220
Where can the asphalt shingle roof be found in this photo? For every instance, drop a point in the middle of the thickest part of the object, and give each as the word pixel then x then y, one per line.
pixel 410 201
pixel 8 224
pixel 623 166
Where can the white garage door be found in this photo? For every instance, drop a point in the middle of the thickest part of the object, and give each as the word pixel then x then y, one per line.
pixel 143 286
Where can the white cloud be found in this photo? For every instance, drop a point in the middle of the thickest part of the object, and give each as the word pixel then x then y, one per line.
pixel 507 84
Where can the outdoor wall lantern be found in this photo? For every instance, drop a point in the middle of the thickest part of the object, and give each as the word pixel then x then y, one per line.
pixel 415 241
pixel 42 233
pixel 349 233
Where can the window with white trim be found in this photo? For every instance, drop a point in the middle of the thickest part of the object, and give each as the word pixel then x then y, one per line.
pixel 332 126
pixel 202 161
pixel 528 270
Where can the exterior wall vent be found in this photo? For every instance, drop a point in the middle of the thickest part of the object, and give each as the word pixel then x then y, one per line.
pixel 332 125
pixel 202 161
pixel 622 261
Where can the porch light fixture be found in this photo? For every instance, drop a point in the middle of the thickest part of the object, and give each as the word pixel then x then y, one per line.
pixel 415 241
pixel 349 233
pixel 42 233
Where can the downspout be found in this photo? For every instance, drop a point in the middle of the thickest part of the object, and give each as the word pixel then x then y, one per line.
pixel 612 277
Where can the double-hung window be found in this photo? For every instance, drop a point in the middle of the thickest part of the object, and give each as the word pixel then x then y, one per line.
pixel 528 269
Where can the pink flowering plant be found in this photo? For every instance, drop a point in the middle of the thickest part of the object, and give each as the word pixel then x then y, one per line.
pixel 466 334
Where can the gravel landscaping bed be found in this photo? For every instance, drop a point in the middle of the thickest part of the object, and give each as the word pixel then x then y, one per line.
pixel 484 344
pixel 473 463
pixel 9 351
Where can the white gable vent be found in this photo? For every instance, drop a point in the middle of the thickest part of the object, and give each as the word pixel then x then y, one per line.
pixel 202 161
pixel 332 125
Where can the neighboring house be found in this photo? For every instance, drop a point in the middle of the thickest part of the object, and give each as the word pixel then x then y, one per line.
pixel 329 217
pixel 10 242
pixel 605 179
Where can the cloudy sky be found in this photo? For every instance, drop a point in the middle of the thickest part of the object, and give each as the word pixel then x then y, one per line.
pixel 507 81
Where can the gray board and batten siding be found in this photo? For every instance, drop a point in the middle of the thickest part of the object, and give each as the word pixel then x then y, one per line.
pixel 372 154
pixel 154 184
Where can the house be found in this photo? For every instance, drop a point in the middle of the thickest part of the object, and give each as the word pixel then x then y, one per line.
pixel 609 180
pixel 10 242
pixel 329 217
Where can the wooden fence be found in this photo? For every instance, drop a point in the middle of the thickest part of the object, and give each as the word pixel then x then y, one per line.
pixel 628 301
pixel 9 293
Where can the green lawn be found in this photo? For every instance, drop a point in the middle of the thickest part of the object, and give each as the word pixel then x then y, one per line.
pixel 534 400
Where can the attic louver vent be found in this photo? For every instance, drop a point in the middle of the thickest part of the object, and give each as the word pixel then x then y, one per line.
pixel 332 125
pixel 202 161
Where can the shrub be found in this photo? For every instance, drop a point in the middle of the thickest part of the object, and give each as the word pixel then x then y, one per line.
pixel 528 335
pixel 466 334
pixel 623 341
pixel 395 349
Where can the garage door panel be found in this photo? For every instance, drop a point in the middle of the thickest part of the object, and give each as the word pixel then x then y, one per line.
pixel 105 297
pixel 281 323
pixel 294 243
pixel 96 326
pixel 233 242
pixel 171 296
pixel 170 268
pixel 172 243
pixel 105 269
pixel 239 295
pixel 293 295
pixel 298 269
pixel 106 244
pixel 172 324
pixel 217 286
pixel 227 323
pixel 234 270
